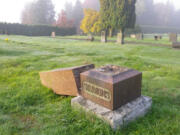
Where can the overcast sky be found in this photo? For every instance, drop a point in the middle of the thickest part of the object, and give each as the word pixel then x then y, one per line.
pixel 10 10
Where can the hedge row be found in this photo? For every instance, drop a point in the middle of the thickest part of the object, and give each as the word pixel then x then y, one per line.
pixel 34 30
pixel 158 29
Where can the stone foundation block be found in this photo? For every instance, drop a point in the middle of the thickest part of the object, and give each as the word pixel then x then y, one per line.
pixel 119 117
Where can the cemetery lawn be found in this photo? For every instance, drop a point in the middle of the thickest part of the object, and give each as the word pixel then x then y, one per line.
pixel 28 108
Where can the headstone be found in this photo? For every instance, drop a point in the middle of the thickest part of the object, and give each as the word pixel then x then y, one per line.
pixel 132 36
pixel 90 38
pixel 119 38
pixel 111 86
pixel 176 44
pixel 53 34
pixel 160 37
pixel 173 37
pixel 113 94
pixel 140 36
pixel 103 37
pixel 64 81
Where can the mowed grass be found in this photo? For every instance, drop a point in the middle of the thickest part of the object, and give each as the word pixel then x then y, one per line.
pixel 28 108
pixel 148 39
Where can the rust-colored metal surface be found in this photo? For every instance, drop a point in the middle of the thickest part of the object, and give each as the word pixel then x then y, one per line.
pixel 64 81
pixel 111 86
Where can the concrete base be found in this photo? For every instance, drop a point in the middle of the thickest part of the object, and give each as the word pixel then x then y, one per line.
pixel 118 118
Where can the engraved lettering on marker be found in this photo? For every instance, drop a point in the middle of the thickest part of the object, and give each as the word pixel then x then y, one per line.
pixel 97 91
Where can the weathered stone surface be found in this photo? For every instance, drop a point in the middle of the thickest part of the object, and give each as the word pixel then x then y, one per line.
pixel 160 37
pixel 53 34
pixel 120 38
pixel 103 37
pixel 64 81
pixel 133 36
pixel 117 118
pixel 111 86
pixel 173 37
pixel 140 36
pixel 90 38
pixel 176 44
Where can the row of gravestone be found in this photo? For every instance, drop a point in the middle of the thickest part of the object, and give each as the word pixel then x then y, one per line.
pixel 120 37
pixel 173 37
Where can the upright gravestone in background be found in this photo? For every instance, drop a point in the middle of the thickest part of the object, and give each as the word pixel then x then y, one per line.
pixel 140 36
pixel 90 38
pixel 133 36
pixel 159 37
pixel 173 37
pixel 53 34
pixel 120 38
pixel 113 93
pixel 103 37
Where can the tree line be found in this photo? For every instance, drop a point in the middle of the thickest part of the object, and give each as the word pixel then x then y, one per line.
pixel 150 13
pixel 43 12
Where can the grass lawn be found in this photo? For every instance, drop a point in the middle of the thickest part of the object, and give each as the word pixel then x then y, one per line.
pixel 28 108
pixel 148 39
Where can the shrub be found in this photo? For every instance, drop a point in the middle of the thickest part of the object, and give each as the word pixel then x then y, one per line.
pixel 34 30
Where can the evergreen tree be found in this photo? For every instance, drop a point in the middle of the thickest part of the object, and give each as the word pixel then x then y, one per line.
pixel 118 14
pixel 27 14
pixel 39 12
pixel 105 14
pixel 78 13
pixel 69 10
pixel 44 12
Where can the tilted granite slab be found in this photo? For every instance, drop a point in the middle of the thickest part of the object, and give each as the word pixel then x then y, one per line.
pixel 117 118
pixel 64 81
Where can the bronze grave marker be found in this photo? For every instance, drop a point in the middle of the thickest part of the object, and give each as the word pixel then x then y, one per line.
pixel 111 86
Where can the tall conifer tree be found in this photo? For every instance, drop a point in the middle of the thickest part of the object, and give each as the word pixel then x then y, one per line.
pixel 118 14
